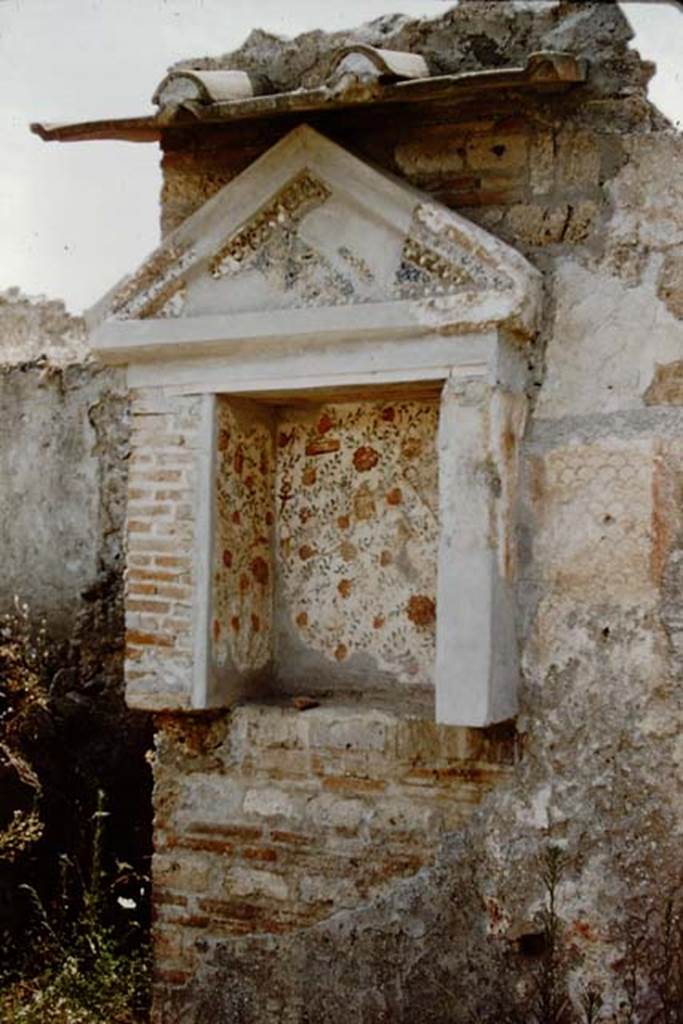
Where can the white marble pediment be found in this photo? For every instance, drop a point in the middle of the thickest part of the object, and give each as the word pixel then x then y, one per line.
pixel 309 227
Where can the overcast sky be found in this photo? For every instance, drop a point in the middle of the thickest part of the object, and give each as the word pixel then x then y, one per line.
pixel 75 217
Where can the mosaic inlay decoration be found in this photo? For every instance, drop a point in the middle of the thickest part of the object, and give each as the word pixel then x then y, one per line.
pixel 158 288
pixel 433 260
pixel 436 260
pixel 282 212
pixel 357 533
pixel 270 243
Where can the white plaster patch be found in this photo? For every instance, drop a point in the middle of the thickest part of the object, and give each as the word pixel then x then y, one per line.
pixel 606 341
pixel 537 812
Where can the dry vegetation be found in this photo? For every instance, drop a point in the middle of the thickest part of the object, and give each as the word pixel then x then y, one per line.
pixel 73 932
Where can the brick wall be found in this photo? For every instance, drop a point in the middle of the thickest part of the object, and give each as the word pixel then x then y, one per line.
pixel 270 819
pixel 162 495
pixel 534 173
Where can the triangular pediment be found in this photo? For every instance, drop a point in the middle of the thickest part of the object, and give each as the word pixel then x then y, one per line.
pixel 311 226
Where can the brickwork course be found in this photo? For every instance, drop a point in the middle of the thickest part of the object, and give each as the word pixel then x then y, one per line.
pixel 161 482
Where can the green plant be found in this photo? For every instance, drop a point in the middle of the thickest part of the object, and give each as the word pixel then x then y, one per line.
pixel 81 966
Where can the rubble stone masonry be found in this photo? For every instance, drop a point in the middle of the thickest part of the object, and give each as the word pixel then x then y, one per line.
pixel 277 818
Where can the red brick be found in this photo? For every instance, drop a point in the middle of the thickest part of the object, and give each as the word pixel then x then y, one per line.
pixel 141 588
pixel 179 592
pixel 172 561
pixel 164 897
pixel 139 526
pixel 152 545
pixel 154 607
pixel 191 921
pixel 347 783
pixel 291 838
pixel 229 831
pixel 230 908
pixel 259 853
pixel 134 636
pixel 205 843
pixel 152 575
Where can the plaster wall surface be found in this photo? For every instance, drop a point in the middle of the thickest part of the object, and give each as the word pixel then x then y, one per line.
pixel 588 186
pixel 62 523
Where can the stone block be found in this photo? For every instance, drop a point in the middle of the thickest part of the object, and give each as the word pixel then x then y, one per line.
pixel 274 728
pixel 208 797
pixel 402 815
pixel 365 731
pixel 270 802
pixel 183 871
pixel 420 741
pixel 582 220
pixel 536 224
pixel 439 155
pixel 542 163
pixel 327 811
pixel 275 763
pixel 504 152
pixel 577 160
pixel 242 881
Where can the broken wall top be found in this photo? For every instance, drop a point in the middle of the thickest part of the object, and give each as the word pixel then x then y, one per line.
pixel 476 35
pixel 547 47
pixel 37 329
